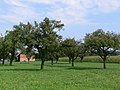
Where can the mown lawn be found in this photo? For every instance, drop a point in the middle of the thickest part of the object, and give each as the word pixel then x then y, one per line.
pixel 61 76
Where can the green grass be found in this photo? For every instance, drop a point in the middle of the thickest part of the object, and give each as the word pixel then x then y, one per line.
pixel 61 76
pixel 110 59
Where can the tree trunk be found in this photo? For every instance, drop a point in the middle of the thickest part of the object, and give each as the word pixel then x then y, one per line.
pixel 104 62
pixel 81 59
pixel 42 64
pixel 12 58
pixel 11 62
pixel 13 55
pixel 3 62
pixel 43 56
pixel 72 63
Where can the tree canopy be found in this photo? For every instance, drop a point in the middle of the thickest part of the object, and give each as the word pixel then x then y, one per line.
pixel 43 36
pixel 46 37
pixel 102 43
pixel 71 49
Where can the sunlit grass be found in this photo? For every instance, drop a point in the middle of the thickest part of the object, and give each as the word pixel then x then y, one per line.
pixel 61 76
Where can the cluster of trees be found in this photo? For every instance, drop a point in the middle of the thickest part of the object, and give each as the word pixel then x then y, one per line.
pixel 44 37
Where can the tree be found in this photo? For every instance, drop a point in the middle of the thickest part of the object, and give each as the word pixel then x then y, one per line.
pixel 71 49
pixel 102 43
pixel 82 51
pixel 12 38
pixel 54 52
pixel 45 35
pixel 25 36
pixel 3 48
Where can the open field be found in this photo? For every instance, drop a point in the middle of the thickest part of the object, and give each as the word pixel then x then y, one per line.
pixel 110 59
pixel 61 76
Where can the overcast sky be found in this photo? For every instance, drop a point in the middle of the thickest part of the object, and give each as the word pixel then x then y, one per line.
pixel 79 16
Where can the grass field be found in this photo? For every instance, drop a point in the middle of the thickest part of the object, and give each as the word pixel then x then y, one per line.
pixel 61 76
pixel 110 59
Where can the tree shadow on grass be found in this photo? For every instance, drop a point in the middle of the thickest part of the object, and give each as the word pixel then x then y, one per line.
pixel 56 65
pixel 84 68
pixel 19 69
pixel 61 63
pixel 73 68
pixel 7 65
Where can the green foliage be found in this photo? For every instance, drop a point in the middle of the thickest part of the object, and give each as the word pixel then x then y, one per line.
pixel 25 37
pixel 71 49
pixel 4 48
pixel 82 51
pixel 44 33
pixel 42 36
pixel 46 37
pixel 61 76
pixel 102 43
pixel 12 38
